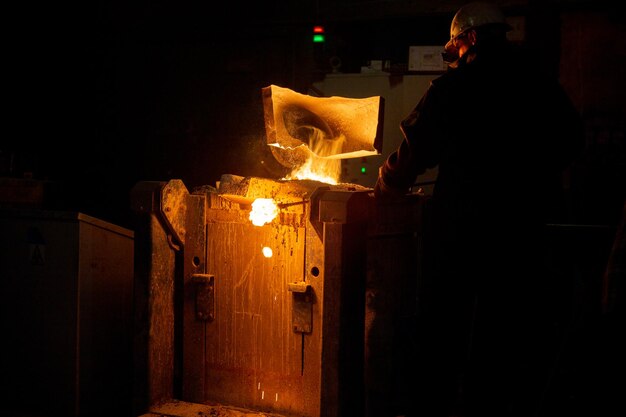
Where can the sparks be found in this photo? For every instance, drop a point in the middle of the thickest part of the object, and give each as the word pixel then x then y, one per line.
pixel 264 210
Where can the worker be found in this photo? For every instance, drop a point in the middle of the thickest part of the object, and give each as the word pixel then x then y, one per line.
pixel 500 132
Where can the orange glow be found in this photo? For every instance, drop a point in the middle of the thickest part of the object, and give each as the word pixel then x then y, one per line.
pixel 320 166
pixel 318 169
pixel 264 210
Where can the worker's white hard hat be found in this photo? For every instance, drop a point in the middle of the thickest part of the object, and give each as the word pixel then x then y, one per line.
pixel 474 15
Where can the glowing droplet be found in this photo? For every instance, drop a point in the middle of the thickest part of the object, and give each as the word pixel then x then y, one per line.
pixel 264 210
pixel 267 251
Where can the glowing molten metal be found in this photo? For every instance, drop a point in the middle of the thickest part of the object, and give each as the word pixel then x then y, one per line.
pixel 309 171
pixel 264 210
pixel 319 165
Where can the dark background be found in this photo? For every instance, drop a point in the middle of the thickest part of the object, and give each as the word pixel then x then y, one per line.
pixel 105 94
pixel 100 95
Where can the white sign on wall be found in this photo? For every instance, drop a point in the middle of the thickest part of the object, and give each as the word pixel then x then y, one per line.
pixel 426 58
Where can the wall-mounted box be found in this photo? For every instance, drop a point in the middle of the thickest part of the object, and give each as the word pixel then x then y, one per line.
pixel 426 58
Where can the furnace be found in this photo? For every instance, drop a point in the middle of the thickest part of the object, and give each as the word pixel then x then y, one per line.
pixel 253 293
pixel 260 331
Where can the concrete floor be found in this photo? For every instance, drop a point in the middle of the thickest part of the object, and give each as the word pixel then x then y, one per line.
pixel 177 408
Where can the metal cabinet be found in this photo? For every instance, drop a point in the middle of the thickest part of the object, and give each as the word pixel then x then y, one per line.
pixel 66 314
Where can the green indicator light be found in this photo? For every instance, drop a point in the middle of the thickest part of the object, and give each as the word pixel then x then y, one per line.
pixel 317 38
pixel 363 170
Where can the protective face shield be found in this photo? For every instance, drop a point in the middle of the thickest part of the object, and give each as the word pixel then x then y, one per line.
pixel 468 17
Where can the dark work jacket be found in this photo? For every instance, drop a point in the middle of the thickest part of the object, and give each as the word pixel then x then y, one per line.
pixel 495 122
pixel 500 132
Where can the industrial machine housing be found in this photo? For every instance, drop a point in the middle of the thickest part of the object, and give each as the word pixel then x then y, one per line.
pixel 305 331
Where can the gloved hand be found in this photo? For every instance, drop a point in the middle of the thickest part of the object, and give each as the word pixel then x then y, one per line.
pixel 384 193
